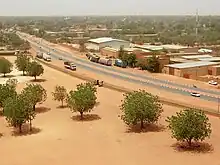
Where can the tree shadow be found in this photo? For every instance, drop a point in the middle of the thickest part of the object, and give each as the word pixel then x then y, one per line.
pixel 197 147
pixel 42 109
pixel 86 117
pixel 147 128
pixel 1 134
pixel 25 131
pixel 7 76
pixel 97 104
pixel 38 80
pixel 62 107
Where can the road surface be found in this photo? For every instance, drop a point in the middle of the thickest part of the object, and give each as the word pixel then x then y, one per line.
pixel 209 95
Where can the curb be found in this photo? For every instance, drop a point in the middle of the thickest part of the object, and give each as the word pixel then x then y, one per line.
pixel 125 90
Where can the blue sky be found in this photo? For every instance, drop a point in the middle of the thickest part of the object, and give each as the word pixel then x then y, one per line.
pixel 110 7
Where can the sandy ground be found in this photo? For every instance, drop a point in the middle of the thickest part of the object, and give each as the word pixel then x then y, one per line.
pixel 102 140
pixel 15 74
pixel 156 91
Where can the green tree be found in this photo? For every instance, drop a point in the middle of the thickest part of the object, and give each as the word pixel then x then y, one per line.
pixel 129 59
pixel 35 69
pixel 121 53
pixel 82 46
pixel 16 111
pixel 22 62
pixel 143 64
pixel 59 94
pixel 5 66
pixel 12 83
pixel 189 125
pixel 36 94
pixel 83 99
pixel 153 64
pixel 6 91
pixel 140 107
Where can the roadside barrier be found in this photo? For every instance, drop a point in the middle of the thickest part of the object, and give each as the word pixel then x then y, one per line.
pixel 163 100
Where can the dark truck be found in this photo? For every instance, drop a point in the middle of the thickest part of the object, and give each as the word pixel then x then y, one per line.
pixel 69 65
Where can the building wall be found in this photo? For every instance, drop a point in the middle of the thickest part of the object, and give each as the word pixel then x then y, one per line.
pixel 192 73
pixel 109 53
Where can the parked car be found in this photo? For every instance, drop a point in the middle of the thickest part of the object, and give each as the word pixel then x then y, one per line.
pixel 195 94
pixel 212 82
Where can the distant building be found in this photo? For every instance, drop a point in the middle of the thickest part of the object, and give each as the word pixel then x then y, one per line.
pixel 99 43
pixel 191 70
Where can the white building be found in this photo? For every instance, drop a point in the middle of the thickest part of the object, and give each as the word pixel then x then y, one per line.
pixel 99 43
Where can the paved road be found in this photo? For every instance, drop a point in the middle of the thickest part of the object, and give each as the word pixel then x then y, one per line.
pixel 147 82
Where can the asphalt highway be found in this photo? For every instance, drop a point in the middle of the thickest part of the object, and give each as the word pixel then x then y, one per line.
pixel 148 81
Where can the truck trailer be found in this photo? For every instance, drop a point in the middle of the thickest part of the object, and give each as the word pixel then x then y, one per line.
pixel 69 65
pixel 105 61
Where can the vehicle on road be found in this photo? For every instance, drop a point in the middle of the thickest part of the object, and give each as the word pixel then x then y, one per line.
pixel 94 58
pixel 105 61
pixel 120 63
pixel 69 65
pixel 39 55
pixel 195 94
pixel 212 82
pixel 46 57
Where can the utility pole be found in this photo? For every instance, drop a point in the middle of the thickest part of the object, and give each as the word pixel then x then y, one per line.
pixel 197 21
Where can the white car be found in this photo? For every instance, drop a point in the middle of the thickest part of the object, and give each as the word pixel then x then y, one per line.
pixel 212 82
pixel 194 94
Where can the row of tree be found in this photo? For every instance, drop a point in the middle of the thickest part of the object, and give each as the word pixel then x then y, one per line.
pixel 23 64
pixel 140 107
pixel 151 63
pixel 19 108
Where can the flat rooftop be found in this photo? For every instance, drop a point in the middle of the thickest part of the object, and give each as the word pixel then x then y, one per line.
pixel 104 39
pixel 197 57
pixel 192 64
pixel 210 59
pixel 149 47
pixel 175 47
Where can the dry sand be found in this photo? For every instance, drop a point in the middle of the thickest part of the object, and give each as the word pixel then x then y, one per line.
pixel 64 141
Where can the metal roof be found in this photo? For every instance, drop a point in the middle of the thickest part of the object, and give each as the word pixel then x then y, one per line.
pixel 192 64
pixel 197 56
pixel 210 59
pixel 104 39
pixel 150 47
pixel 176 47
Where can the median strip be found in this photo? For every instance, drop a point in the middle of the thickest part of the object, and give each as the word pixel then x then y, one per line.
pixel 125 90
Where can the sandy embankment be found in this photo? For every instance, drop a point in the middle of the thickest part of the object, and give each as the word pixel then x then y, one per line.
pixel 62 140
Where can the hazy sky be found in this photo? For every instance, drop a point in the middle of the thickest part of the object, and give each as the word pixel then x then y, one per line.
pixel 108 7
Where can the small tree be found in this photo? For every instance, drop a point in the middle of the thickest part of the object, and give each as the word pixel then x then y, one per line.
pixel 5 66
pixel 143 64
pixel 60 94
pixel 189 125
pixel 36 94
pixel 129 59
pixel 140 107
pixel 153 64
pixel 6 91
pixel 121 52
pixel 16 111
pixel 35 69
pixel 12 83
pixel 83 99
pixel 22 62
